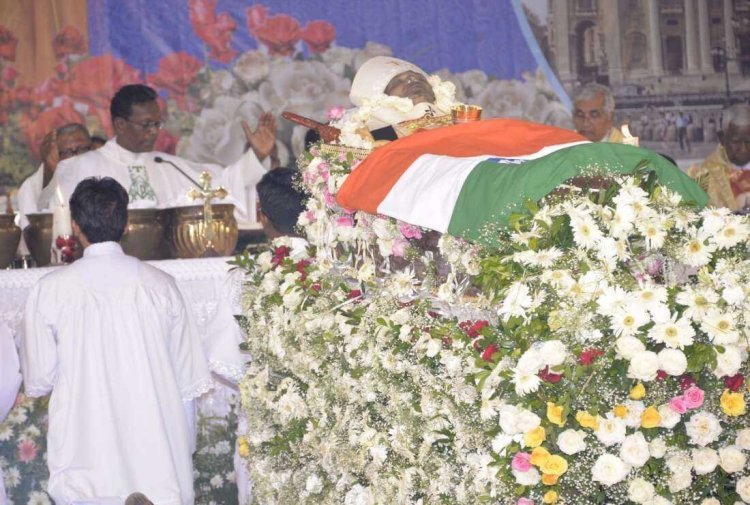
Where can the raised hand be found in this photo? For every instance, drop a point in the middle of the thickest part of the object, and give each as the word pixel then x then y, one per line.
pixel 263 139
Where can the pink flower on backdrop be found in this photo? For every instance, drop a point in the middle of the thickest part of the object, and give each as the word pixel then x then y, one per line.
pixel 693 397
pixel 678 404
pixel 9 74
pixel 256 17
pixel 68 41
pixel 279 34
pixel 345 221
pixel 521 462
pixel 27 451
pixel 398 249
pixel 410 231
pixel 318 35
pixel 336 112
pixel 215 31
pixel 177 71
pixel 8 43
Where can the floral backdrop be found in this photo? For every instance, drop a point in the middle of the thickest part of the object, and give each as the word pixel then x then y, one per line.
pixel 216 62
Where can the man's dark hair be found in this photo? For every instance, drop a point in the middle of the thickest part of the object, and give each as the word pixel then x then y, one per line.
pixel 127 96
pixel 100 207
pixel 72 128
pixel 280 201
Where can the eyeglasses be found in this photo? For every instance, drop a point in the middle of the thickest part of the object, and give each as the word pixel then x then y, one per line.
pixel 74 151
pixel 148 125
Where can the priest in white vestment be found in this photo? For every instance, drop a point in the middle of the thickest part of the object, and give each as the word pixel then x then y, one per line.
pixel 10 380
pixel 129 158
pixel 110 337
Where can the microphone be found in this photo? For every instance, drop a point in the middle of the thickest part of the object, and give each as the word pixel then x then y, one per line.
pixel 159 159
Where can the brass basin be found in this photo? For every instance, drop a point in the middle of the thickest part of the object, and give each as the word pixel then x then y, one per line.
pixel 38 237
pixel 144 237
pixel 10 236
pixel 188 236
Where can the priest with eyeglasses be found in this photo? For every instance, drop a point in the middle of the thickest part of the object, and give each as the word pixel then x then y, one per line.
pixel 156 179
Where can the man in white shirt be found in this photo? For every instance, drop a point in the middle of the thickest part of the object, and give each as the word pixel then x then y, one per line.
pixel 110 337
pixel 60 144
pixel 130 160
pixel 594 114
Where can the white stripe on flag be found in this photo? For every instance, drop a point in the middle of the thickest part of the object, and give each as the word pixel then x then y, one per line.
pixel 426 192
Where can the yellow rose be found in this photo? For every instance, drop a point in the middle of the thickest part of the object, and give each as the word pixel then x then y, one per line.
pixel 637 392
pixel 549 496
pixel 539 455
pixel 587 420
pixel 621 411
pixel 244 447
pixel 650 418
pixel 555 414
pixel 733 404
pixel 554 465
pixel 534 437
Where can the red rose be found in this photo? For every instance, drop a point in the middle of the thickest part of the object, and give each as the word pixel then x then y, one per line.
pixel 279 34
pixel 215 31
pixel 256 17
pixel 472 328
pixel 488 352
pixel 8 43
pixel 661 375
pixel 589 355
pixel 548 376
pixel 279 254
pixel 166 142
pixel 68 41
pixel 354 293
pixel 686 381
pixel 35 128
pixel 734 382
pixel 177 71
pixel 318 35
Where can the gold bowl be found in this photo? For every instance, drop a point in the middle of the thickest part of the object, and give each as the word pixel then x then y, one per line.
pixel 189 237
pixel 144 237
pixel 466 113
pixel 10 236
pixel 38 237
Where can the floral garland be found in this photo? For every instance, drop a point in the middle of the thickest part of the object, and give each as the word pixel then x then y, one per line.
pixel 599 354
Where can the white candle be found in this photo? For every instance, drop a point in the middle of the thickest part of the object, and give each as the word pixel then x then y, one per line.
pixel 61 221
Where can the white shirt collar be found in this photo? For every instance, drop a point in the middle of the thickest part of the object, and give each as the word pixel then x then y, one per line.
pixel 103 249
pixel 116 151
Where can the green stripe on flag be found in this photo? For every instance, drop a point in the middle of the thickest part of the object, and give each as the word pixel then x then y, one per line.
pixel 492 192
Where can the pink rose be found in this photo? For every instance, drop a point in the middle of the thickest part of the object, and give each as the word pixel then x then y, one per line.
pixel 521 462
pixel 525 501
pixel 410 231
pixel 693 397
pixel 678 404
pixel 345 221
pixel 323 171
pixel 330 200
pixel 399 247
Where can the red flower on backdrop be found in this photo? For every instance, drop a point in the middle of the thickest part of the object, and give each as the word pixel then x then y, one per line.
pixel 93 81
pixel 36 126
pixel 8 43
pixel 68 41
pixel 318 35
pixel 166 142
pixel 177 71
pixel 256 17
pixel 279 34
pixel 215 31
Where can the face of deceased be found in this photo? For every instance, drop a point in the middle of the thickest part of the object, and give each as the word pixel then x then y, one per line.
pixel 412 85
pixel 736 142
pixel 590 118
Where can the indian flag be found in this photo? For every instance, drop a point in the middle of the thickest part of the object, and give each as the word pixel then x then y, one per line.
pixel 459 178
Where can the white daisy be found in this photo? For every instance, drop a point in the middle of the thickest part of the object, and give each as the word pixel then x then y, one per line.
pixel 720 327
pixel 585 232
pixel 675 333
pixel 627 320
pixel 698 302
pixel 697 252
pixel 525 382
pixel 516 301
pixel 654 231
pixel 734 231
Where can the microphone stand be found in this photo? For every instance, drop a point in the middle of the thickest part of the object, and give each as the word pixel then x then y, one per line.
pixel 159 159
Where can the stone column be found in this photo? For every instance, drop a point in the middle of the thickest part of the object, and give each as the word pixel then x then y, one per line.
pixel 704 39
pixel 731 49
pixel 690 38
pixel 562 41
pixel 610 25
pixel 654 39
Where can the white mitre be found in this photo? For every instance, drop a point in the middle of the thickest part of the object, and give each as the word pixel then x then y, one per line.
pixel 368 90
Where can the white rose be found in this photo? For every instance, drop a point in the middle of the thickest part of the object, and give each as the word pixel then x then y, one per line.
pixel 728 362
pixel 634 450
pixel 500 442
pixel 434 346
pixel 531 361
pixel 640 490
pixel 669 418
pixel 679 481
pixel 293 298
pixel 252 67
pixel 553 353
pixel 529 478
pixel 270 284
pixel 264 261
pixel 628 347
pixel 705 460
pixel 609 470
pixel 672 361
pixel 644 366
pixel 657 448
pixel 679 462
pixel 611 430
pixel 313 484
pixel 703 428
pixel 743 438
pixel 571 441
pixel 359 495
pixel 732 459
pixel 743 488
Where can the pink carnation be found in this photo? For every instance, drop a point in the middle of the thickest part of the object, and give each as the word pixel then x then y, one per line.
pixel 521 462
pixel 27 451
pixel 693 397
pixel 399 247
pixel 525 501
pixel 678 404
pixel 345 221
pixel 336 112
pixel 410 231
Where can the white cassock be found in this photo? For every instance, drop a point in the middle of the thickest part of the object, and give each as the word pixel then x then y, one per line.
pixel 169 185
pixel 28 196
pixel 111 338
pixel 10 380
